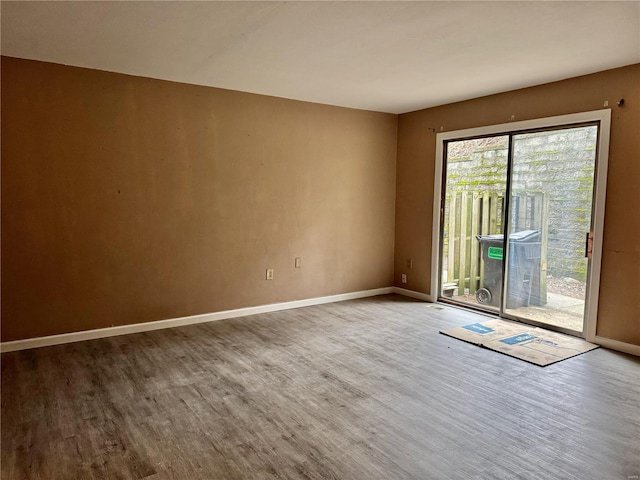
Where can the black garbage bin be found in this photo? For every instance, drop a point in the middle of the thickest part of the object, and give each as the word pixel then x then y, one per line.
pixel 492 253
pixel 524 268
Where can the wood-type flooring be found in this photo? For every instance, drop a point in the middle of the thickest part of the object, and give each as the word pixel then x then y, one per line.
pixel 356 390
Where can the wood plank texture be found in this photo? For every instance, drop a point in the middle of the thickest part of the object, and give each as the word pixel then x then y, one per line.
pixel 452 267
pixel 544 230
pixel 362 389
pixel 473 257
pixel 462 273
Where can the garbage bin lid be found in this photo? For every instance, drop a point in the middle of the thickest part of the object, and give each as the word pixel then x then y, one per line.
pixel 523 235
pixel 496 236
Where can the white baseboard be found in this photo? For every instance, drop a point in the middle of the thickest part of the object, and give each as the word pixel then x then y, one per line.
pixel 243 312
pixel 178 322
pixel 618 345
pixel 410 293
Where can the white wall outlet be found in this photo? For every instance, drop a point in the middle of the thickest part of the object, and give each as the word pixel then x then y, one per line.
pixel 298 262
pixel 404 278
pixel 269 273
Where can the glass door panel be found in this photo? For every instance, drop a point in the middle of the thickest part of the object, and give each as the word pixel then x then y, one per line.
pixel 472 221
pixel 552 181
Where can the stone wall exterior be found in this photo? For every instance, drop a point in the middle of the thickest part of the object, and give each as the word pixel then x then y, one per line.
pixel 559 163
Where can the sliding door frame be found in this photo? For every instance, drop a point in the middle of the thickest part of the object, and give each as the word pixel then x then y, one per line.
pixel 603 117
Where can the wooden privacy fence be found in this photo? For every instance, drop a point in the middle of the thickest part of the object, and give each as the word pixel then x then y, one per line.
pixel 469 213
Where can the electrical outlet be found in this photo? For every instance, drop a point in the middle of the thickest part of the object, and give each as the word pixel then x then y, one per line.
pixel 404 278
pixel 298 262
pixel 269 273
pixel 409 264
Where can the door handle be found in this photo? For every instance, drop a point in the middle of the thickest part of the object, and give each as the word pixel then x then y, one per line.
pixel 588 247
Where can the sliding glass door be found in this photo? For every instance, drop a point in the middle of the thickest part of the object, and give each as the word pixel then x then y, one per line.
pixel 549 226
pixel 516 223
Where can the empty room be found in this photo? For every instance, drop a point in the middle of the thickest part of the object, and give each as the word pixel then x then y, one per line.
pixel 320 240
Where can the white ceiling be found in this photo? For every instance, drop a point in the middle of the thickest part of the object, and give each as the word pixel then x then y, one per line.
pixel 386 56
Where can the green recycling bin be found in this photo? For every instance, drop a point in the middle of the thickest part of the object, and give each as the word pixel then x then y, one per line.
pixel 524 268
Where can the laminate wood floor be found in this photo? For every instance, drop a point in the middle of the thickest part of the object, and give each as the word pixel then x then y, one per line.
pixel 364 389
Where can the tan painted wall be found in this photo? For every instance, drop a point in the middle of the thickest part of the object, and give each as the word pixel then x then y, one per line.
pixel 128 200
pixel 619 308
